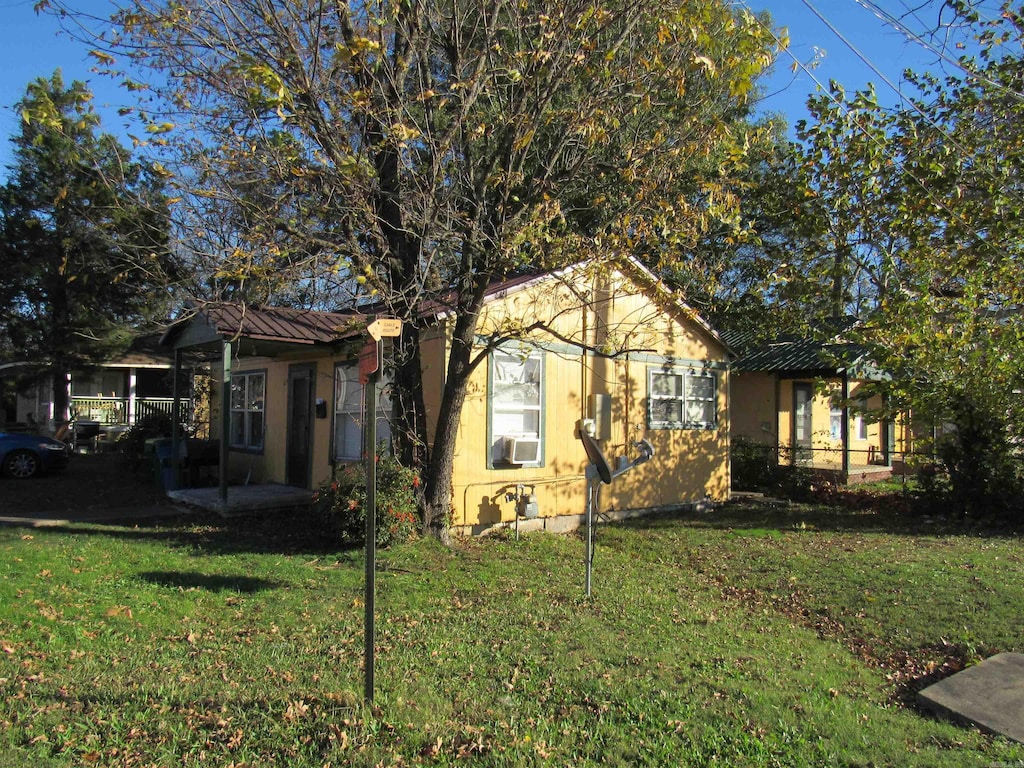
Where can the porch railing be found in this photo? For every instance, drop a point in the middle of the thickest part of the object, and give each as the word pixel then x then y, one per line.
pixel 115 410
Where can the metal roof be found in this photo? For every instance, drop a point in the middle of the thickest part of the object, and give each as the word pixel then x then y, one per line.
pixel 800 355
pixel 209 325
pixel 280 324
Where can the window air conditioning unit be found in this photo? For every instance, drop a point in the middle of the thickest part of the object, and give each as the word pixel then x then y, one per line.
pixel 522 450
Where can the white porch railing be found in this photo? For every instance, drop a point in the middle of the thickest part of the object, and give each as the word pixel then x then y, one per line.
pixel 117 410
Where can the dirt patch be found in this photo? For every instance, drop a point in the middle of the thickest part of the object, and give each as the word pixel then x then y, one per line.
pixel 92 484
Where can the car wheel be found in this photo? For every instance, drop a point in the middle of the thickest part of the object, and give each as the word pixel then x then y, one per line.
pixel 22 464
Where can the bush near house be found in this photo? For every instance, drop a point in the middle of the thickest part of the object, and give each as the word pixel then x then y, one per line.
pixel 341 504
pixel 756 467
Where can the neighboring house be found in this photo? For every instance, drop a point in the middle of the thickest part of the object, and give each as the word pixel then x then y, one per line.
pixel 612 346
pixel 113 396
pixel 814 401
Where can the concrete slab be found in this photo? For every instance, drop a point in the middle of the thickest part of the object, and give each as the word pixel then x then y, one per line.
pixel 244 498
pixel 989 695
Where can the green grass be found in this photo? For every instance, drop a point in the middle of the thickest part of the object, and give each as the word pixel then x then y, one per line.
pixel 782 636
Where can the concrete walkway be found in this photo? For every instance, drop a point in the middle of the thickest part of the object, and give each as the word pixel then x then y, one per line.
pixel 989 695
pixel 244 498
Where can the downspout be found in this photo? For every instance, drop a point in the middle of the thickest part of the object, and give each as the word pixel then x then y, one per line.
pixel 583 360
pixel 889 432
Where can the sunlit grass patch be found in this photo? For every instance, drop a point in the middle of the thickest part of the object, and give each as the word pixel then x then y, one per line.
pixel 705 641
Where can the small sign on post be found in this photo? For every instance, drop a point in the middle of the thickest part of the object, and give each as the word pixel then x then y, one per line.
pixel 384 327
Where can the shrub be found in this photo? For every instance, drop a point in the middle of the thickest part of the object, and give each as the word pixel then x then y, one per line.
pixel 132 443
pixel 754 465
pixel 981 460
pixel 340 505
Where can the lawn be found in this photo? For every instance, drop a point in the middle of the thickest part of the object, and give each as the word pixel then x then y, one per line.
pixel 783 635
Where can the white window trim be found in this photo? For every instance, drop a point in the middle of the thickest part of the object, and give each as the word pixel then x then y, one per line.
pixel 247 443
pixel 686 375
pixel 358 413
pixel 493 409
pixel 860 423
pixel 835 420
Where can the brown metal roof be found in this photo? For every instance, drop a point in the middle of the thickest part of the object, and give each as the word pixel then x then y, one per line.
pixel 298 326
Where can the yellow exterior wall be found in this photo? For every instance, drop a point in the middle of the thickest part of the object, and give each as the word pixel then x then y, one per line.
pixel 753 408
pixel 754 405
pixel 633 333
pixel 268 466
pixel 689 464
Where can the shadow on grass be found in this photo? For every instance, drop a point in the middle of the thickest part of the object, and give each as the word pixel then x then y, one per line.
pixel 879 514
pixel 207 533
pixel 209 582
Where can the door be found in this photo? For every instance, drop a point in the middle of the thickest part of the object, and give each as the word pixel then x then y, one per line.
pixel 299 466
pixel 802 396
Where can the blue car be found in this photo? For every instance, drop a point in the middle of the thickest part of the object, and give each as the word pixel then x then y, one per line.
pixel 23 456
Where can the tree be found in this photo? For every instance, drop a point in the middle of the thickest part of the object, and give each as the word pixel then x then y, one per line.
pixel 918 223
pixel 83 238
pixel 421 150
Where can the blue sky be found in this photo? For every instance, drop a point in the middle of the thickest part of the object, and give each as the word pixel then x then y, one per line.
pixel 33 46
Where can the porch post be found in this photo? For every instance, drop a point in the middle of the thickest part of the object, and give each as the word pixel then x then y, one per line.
pixel 175 414
pixel 888 427
pixel 845 430
pixel 133 383
pixel 225 420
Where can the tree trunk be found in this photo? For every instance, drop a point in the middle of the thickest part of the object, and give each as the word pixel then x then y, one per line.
pixel 409 410
pixel 437 485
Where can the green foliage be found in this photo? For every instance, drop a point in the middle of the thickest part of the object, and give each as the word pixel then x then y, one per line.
pixel 982 462
pixel 132 442
pixel 417 152
pixel 340 504
pixel 756 467
pixel 913 220
pixel 84 252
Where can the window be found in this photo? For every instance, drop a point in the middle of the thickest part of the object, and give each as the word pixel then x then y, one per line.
pixel 835 422
pixel 516 405
pixel 682 399
pixel 860 421
pixel 247 406
pixel 349 400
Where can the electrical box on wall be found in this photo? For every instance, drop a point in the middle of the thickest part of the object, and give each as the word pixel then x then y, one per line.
pixel 599 409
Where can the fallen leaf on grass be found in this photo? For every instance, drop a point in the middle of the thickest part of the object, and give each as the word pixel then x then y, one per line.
pixel 296 710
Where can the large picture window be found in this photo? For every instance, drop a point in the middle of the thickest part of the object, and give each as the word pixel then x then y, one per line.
pixel 682 399
pixel 248 392
pixel 349 414
pixel 516 408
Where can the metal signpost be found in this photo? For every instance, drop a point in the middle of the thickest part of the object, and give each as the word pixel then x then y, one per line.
pixel 369 375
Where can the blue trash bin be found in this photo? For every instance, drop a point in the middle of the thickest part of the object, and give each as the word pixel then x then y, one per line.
pixel 166 473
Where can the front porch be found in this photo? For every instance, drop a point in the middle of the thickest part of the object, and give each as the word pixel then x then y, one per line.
pixel 243 499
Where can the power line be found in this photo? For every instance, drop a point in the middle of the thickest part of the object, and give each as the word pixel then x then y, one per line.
pixel 940 204
pixel 964 151
pixel 902 28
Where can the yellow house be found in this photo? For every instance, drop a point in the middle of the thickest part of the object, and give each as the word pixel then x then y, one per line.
pixel 816 403
pixel 610 348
